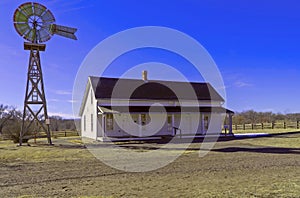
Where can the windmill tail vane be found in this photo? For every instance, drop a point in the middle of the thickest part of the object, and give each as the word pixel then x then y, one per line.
pixel 64 31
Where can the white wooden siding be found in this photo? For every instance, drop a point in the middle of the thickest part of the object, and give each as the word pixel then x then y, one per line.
pixel 90 108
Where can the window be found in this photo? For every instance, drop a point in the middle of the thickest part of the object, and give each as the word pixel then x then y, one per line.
pixel 169 119
pixel 109 122
pixel 84 123
pixel 135 118
pixel 206 122
pixel 143 119
pixel 92 122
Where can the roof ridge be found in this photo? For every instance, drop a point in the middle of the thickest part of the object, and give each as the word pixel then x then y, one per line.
pixel 154 80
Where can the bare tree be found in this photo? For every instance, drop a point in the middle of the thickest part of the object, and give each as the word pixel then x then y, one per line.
pixel 55 123
pixel 6 113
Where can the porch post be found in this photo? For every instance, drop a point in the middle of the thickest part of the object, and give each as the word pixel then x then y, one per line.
pixel 103 125
pixel 173 124
pixel 140 125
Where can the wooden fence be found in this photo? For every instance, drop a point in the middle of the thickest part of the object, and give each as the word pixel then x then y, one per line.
pixel 262 126
pixel 64 133
pixel 54 134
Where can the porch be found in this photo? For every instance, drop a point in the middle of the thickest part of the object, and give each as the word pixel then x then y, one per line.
pixel 174 122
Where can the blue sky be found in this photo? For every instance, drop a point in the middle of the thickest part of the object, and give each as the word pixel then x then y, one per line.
pixel 255 45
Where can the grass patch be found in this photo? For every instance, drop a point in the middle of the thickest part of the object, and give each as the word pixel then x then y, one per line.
pixel 284 141
pixel 271 131
pixel 42 152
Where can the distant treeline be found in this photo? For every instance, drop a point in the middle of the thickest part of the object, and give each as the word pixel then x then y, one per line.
pixel 251 116
pixel 11 122
pixel 58 123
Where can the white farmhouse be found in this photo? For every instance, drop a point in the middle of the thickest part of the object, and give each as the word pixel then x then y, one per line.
pixel 135 108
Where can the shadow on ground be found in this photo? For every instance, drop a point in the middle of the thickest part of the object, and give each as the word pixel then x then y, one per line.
pixel 271 150
pixel 148 145
pixel 154 145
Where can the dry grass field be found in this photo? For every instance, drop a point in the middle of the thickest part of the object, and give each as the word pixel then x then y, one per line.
pixel 253 167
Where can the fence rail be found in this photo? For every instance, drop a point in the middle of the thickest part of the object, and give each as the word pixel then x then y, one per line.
pixel 274 125
pixel 54 134
pixel 64 133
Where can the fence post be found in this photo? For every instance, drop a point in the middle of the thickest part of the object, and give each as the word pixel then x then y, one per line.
pixel 65 133
pixel 273 125
pixel 297 124
pixel 262 126
pixel 284 125
pixel 236 127
pixel 252 126
pixel 244 126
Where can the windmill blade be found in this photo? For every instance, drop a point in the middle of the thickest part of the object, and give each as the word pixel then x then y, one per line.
pixel 43 34
pixel 39 9
pixel 47 17
pixel 26 8
pixel 64 31
pixel 20 16
pixel 21 28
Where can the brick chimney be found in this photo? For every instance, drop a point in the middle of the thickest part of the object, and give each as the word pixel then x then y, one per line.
pixel 145 75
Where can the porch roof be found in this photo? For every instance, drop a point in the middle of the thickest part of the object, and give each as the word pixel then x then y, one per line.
pixel 176 109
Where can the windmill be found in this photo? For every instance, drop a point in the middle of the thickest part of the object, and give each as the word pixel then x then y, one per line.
pixel 36 24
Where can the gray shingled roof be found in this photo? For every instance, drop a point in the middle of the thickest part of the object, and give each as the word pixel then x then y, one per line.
pixel 152 89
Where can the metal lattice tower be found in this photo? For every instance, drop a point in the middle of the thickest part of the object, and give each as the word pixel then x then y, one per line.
pixel 35 23
pixel 35 100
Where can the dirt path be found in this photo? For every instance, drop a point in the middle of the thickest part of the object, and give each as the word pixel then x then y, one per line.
pixel 239 173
